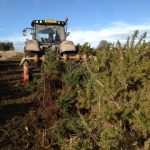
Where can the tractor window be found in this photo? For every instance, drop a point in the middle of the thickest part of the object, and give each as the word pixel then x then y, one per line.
pixel 50 34
pixel 45 36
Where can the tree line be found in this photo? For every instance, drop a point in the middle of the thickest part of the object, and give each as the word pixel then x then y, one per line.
pixel 6 46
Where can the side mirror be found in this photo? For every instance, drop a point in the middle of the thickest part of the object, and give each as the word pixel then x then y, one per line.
pixel 31 32
pixel 24 33
pixel 68 33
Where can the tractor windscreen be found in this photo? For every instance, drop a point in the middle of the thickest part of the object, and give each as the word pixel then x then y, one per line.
pixel 49 33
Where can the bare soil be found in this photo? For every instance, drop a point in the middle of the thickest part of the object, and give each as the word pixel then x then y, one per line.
pixel 13 100
pixel 23 116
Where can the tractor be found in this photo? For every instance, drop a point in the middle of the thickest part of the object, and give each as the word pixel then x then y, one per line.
pixel 47 34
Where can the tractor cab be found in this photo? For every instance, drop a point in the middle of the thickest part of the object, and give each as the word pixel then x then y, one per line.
pixel 49 33
pixel 46 34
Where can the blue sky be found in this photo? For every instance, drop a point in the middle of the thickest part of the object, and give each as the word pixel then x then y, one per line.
pixel 89 20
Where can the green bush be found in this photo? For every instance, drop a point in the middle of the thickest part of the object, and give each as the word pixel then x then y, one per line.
pixel 99 105
pixel 111 97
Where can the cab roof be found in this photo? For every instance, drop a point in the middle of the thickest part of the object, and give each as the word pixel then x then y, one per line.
pixel 48 22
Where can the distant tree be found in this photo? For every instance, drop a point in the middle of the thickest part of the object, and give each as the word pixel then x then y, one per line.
pixel 6 46
pixel 103 44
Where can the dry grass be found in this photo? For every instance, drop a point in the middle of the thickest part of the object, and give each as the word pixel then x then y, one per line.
pixel 4 55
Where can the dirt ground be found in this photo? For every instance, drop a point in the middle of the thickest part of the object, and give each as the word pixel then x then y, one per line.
pixel 15 104
pixel 12 97
pixel 19 110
